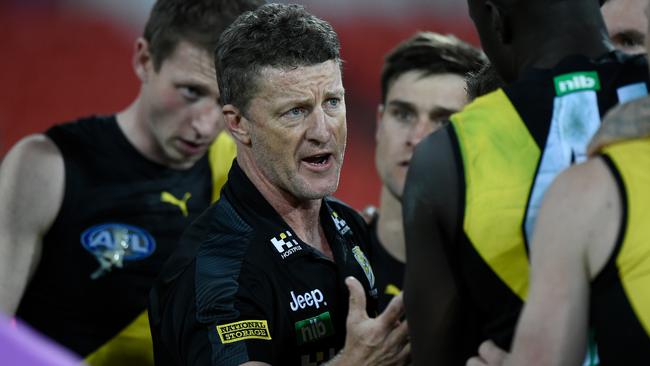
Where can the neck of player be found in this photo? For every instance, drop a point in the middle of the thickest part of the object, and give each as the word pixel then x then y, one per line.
pixel 303 216
pixel 390 227
pixel 560 33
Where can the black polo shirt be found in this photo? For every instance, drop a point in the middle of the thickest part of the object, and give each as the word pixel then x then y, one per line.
pixel 243 287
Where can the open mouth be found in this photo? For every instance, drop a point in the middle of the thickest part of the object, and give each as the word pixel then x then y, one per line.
pixel 191 147
pixel 192 144
pixel 317 160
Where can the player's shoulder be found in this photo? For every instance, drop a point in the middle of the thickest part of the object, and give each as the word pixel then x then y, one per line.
pixel 221 227
pixel 438 152
pixel 33 152
pixel 584 185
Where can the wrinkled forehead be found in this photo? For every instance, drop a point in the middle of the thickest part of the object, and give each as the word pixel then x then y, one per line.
pixel 300 81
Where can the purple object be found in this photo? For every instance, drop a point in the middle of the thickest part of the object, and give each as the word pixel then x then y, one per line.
pixel 20 345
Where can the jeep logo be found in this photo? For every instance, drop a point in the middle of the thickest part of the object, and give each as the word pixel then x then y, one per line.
pixel 311 298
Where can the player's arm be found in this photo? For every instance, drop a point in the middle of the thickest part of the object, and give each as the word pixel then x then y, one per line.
pixel 575 234
pixel 31 191
pixel 431 211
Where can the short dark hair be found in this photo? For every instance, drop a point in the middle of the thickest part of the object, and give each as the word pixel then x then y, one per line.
pixel 430 53
pixel 275 35
pixel 485 81
pixel 199 22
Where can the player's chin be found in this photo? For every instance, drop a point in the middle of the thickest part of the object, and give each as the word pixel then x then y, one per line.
pixel 319 187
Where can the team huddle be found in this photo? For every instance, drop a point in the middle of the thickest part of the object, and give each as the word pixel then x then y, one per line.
pixel 510 228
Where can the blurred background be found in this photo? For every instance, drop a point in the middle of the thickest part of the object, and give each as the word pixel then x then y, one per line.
pixel 62 59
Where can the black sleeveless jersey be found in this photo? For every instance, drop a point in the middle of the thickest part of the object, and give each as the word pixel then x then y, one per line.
pixel 121 217
pixel 389 271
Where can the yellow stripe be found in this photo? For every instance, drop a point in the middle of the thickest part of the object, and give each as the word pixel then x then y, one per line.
pixel 632 159
pixel 392 290
pixel 499 158
pixel 221 154
pixel 131 347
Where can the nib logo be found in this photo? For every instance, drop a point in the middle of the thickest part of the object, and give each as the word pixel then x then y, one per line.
pixel 575 82
pixel 313 329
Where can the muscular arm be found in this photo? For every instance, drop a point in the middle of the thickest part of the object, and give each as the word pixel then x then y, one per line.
pixel 575 235
pixel 431 211
pixel 31 192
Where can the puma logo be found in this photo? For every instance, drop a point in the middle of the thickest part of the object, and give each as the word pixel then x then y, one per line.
pixel 180 203
pixel 392 290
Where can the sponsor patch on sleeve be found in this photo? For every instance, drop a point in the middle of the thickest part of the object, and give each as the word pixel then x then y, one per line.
pixel 243 330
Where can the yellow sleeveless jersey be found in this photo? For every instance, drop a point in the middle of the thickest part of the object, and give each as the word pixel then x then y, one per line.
pixel 620 304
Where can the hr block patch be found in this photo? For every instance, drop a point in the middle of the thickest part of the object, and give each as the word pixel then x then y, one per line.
pixel 243 330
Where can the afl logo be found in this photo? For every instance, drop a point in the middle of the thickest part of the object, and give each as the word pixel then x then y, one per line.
pixel 114 243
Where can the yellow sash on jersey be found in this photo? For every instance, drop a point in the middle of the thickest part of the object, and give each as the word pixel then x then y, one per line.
pixel 499 159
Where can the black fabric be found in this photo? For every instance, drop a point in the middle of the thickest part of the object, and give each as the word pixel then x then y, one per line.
pixel 106 182
pixel 388 270
pixel 228 270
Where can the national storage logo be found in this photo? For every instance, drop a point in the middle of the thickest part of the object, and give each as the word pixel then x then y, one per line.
pixel 576 82
pixel 313 329
pixel 242 330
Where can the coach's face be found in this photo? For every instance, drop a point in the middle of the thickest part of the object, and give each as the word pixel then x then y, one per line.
pixel 298 129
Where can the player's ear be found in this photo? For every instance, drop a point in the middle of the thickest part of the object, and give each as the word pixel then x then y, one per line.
pixel 142 60
pixel 500 21
pixel 238 125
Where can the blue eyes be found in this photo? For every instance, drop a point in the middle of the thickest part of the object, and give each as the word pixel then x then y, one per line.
pixel 329 105
pixel 333 102
pixel 190 93
pixel 296 112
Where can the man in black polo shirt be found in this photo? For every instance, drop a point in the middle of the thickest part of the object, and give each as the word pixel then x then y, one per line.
pixel 261 277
